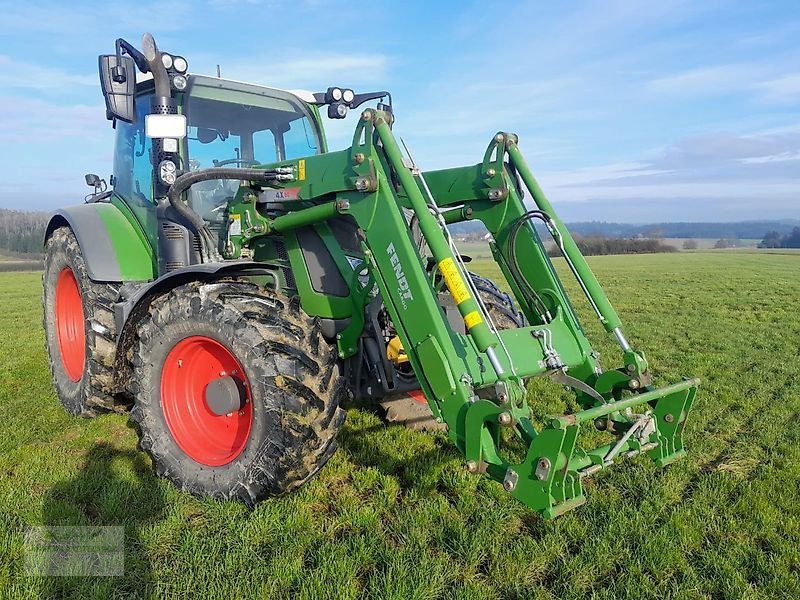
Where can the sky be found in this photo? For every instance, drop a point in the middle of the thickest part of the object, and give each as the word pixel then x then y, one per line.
pixel 627 111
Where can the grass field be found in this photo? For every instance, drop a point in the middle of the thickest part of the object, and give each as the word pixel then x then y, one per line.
pixel 394 514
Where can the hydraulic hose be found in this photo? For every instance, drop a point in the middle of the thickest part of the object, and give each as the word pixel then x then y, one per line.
pixel 187 180
pixel 526 288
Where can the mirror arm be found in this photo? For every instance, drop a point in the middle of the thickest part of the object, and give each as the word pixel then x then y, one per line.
pixel 138 58
pixel 359 99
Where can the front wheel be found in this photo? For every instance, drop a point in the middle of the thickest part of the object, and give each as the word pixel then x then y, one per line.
pixel 79 328
pixel 236 393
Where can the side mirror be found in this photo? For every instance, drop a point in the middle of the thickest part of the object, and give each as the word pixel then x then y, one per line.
pixel 118 81
pixel 92 180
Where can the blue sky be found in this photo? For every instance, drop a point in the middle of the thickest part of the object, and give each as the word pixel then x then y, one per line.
pixel 628 111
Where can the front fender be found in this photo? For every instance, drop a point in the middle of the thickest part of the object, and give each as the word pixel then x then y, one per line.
pixel 112 245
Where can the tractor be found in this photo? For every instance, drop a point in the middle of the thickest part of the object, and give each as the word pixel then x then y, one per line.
pixel 236 280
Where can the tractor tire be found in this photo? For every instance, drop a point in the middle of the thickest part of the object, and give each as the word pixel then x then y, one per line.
pixel 501 306
pixel 279 379
pixel 78 318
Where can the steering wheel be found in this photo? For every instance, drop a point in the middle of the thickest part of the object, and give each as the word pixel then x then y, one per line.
pixel 231 161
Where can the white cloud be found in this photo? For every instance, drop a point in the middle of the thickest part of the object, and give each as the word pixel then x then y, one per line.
pixel 224 4
pixel 717 176
pixel 782 90
pixel 764 82
pixel 26 75
pixel 702 80
pixel 75 20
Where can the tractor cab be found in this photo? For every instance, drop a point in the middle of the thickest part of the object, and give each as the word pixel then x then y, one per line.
pixel 227 124
pixel 170 124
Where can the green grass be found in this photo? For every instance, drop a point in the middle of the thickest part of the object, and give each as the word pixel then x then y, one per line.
pixel 395 515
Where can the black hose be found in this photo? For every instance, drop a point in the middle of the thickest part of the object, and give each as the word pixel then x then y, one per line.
pixel 525 287
pixel 187 180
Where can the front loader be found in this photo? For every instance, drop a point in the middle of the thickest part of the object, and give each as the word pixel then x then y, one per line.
pixel 240 279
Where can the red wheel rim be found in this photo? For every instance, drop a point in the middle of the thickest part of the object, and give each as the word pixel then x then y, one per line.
pixel 205 437
pixel 70 325
pixel 418 396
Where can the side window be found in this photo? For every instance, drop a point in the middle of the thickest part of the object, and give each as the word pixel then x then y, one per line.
pixel 264 150
pixel 132 169
pixel 300 140
pixel 133 173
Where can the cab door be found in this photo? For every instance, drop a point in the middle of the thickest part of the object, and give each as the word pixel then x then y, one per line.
pixel 133 170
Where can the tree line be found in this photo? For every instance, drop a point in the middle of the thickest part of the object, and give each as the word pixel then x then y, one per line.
pixel 21 231
pixel 598 245
pixel 774 239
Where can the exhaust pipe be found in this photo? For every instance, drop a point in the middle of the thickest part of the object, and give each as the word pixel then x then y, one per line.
pixel 157 68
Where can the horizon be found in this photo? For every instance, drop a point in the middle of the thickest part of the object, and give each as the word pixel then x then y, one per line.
pixel 626 113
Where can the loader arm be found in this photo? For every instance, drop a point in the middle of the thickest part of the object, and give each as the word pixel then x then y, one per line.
pixel 474 381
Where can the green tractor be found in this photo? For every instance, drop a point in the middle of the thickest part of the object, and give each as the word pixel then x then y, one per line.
pixel 238 280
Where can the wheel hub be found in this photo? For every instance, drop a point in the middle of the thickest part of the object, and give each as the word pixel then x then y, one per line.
pixel 224 396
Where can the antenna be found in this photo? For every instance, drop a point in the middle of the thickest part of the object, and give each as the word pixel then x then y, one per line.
pixel 219 73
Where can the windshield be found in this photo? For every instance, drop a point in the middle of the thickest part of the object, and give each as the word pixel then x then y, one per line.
pixel 239 125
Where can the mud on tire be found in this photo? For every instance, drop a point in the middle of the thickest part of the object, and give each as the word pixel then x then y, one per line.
pixel 291 374
pixel 501 306
pixel 91 391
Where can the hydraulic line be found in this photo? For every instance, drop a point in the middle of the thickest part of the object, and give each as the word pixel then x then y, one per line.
pixel 185 181
pixel 576 261
pixel 530 293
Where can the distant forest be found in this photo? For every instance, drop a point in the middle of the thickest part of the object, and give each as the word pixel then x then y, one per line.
pixel 743 230
pixel 773 239
pixel 22 232
pixel 598 245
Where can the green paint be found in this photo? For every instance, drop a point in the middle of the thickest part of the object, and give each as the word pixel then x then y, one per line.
pixel 451 367
pixel 134 254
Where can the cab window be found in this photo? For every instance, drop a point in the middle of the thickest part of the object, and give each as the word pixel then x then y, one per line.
pixel 133 172
pixel 240 126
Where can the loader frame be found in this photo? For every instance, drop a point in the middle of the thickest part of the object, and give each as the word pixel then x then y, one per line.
pixel 474 381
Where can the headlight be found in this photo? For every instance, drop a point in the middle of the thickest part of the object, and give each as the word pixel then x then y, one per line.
pixel 337 110
pixel 180 64
pixel 348 95
pixel 179 82
pixel 336 94
pixel 166 60
pixel 167 172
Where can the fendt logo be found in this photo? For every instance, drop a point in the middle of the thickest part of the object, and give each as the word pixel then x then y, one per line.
pixel 402 282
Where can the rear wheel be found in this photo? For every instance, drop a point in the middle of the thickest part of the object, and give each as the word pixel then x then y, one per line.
pixel 500 305
pixel 79 328
pixel 236 393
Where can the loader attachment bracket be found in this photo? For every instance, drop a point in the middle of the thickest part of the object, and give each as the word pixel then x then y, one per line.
pixel 549 479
